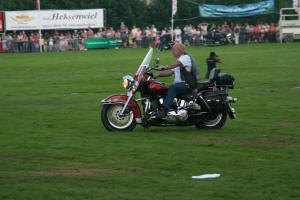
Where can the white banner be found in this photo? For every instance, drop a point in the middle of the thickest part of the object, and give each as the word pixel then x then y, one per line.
pixel 54 19
pixel 174 7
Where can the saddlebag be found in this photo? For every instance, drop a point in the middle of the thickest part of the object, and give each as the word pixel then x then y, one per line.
pixel 216 100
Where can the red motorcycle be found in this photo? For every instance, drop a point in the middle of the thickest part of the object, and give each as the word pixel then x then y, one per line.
pixel 205 107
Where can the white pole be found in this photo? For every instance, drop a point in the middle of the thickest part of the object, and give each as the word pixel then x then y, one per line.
pixel 40 31
pixel 172 22
pixel 174 10
pixel 172 19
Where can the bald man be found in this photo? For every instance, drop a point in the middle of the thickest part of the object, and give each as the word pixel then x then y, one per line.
pixel 185 69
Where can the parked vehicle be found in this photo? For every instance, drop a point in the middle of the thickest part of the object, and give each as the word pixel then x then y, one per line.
pixel 205 107
pixel 219 39
pixel 289 24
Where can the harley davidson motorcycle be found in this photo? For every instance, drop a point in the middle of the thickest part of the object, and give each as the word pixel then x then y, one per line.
pixel 205 107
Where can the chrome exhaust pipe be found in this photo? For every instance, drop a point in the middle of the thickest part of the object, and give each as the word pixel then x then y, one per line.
pixel 231 99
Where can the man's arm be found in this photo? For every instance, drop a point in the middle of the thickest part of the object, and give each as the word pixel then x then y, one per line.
pixel 163 74
pixel 168 68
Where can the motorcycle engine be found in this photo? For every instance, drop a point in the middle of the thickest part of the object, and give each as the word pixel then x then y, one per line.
pixel 181 113
pixel 177 116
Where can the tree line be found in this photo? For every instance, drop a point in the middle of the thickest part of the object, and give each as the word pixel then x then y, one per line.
pixel 139 13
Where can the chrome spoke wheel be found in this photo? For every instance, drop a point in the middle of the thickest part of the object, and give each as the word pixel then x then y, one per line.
pixel 117 121
pixel 214 122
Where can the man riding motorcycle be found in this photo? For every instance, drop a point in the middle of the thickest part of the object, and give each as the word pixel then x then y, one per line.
pixel 203 104
pixel 186 76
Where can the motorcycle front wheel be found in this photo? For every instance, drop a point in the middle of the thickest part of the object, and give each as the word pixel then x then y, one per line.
pixel 216 122
pixel 112 121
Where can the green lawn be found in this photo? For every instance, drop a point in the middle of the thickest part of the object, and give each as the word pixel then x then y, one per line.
pixel 53 145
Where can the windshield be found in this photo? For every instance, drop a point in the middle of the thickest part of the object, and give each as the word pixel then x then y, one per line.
pixel 143 67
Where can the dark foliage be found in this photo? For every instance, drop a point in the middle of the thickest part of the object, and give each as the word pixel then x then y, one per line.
pixel 137 12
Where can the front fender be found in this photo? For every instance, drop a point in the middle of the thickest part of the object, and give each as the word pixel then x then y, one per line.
pixel 121 98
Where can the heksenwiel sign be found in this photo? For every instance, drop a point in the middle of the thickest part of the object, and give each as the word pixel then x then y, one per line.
pixel 54 19
pixel 1 22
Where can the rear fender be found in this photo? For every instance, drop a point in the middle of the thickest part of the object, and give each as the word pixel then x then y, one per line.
pixel 121 98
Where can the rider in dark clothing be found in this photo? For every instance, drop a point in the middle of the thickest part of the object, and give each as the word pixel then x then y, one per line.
pixel 211 62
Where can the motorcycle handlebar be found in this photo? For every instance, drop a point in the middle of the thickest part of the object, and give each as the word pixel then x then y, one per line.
pixel 152 68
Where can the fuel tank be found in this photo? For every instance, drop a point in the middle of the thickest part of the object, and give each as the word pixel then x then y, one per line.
pixel 157 87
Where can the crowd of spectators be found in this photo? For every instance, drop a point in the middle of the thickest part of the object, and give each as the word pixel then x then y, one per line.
pixel 136 37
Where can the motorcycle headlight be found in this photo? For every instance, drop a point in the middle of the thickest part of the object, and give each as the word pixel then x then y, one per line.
pixel 127 81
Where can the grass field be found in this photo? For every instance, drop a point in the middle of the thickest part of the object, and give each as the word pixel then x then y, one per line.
pixel 53 145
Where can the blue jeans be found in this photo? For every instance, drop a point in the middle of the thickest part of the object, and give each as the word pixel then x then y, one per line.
pixel 173 91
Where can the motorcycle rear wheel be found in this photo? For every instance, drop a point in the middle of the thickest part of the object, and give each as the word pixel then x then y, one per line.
pixel 215 123
pixel 113 122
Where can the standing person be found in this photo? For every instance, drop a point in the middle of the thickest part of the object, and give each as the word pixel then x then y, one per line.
pixel 99 34
pixel 139 37
pixel 108 33
pixel 83 39
pixel 272 33
pixel 198 33
pixel 177 34
pixel 247 27
pixel 164 32
pixel 186 32
pixel 61 42
pixel 133 34
pixel 117 34
pixel 51 43
pixel 32 38
pixel 262 32
pixel 203 27
pixel 4 42
pixel 256 32
pixel 251 34
pixel 123 33
pixel 25 42
pixel 186 76
pixel 56 41
pixel 90 33
pixel 37 41
pixel 75 37
pixel 112 32
pixel 127 37
pixel 130 41
pixel 236 31
pixel 20 41
pixel 211 62
pixel 147 36
pixel 193 33
pixel 68 41
pixel 153 36
pixel 15 42
pixel 122 27
pixel 123 30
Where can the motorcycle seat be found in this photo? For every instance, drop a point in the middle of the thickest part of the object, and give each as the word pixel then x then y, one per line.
pixel 203 85
pixel 200 86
